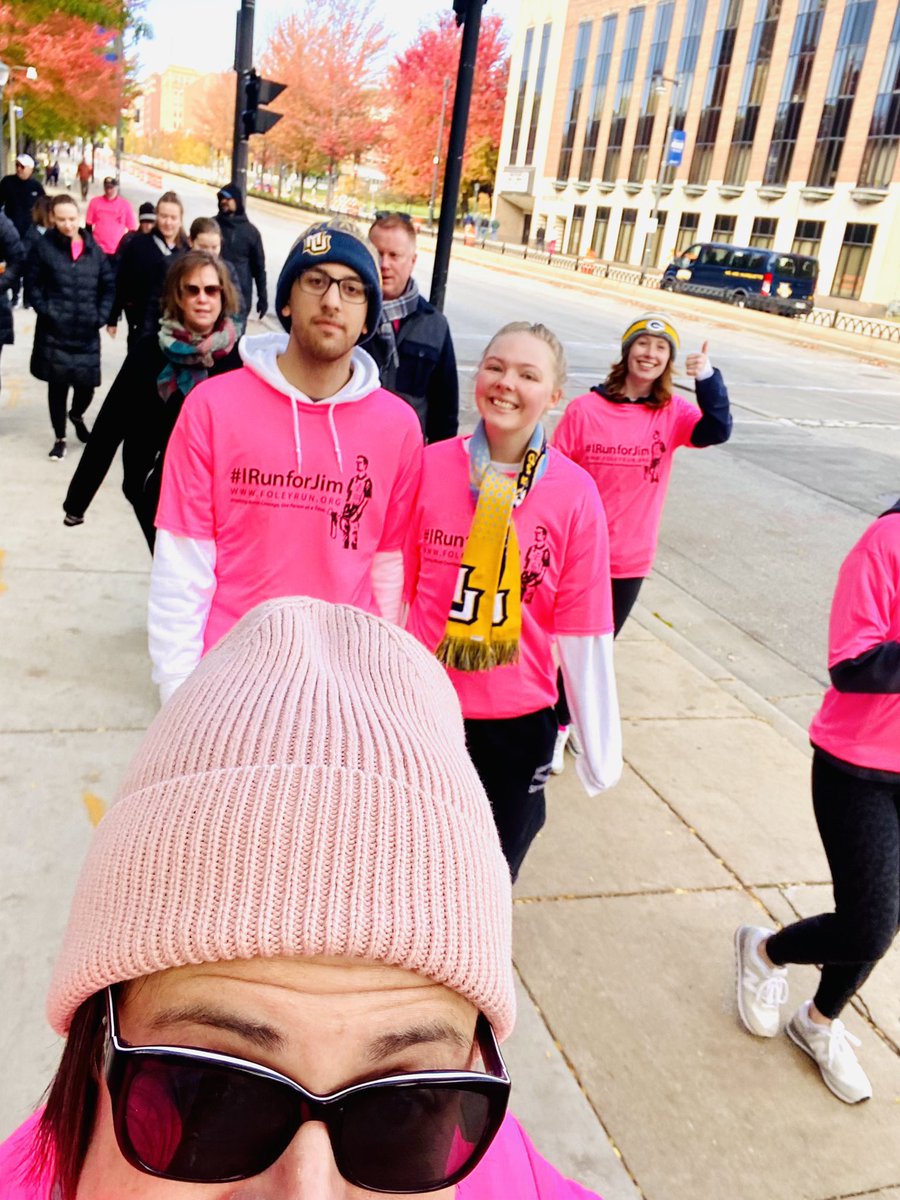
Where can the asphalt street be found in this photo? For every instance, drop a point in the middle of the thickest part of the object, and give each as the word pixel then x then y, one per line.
pixel 754 531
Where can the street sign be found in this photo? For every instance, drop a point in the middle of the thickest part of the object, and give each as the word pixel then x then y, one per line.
pixel 676 148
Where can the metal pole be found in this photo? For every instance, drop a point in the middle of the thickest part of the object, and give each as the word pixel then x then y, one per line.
pixel 12 131
pixel 120 119
pixel 437 153
pixel 464 78
pixel 243 62
pixel 657 191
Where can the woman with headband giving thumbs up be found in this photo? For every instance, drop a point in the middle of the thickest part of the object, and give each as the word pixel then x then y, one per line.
pixel 624 433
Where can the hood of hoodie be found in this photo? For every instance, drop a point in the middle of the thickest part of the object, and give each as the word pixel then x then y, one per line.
pixel 259 355
pixel 236 193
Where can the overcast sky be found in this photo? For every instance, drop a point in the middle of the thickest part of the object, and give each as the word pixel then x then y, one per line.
pixel 200 33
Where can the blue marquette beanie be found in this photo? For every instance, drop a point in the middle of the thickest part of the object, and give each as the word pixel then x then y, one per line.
pixel 323 244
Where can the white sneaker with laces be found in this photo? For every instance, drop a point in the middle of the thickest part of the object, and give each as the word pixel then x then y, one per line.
pixel 559 750
pixel 829 1047
pixel 761 990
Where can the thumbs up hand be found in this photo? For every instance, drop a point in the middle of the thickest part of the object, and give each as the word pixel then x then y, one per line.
pixel 698 365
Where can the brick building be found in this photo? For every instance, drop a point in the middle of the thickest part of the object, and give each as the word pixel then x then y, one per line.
pixel 165 102
pixel 788 112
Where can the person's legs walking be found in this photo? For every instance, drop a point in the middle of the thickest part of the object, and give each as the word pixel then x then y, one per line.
pixel 624 595
pixel 56 398
pixel 81 399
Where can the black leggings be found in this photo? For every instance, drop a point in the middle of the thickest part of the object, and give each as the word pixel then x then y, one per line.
pixel 624 594
pixel 57 394
pixel 859 823
pixel 512 756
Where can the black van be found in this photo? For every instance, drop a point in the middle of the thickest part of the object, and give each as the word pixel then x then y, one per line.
pixel 745 275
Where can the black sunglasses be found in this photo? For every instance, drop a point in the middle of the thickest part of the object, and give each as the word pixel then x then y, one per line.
pixel 386 212
pixel 195 1116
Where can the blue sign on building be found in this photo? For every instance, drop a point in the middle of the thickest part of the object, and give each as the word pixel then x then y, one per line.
pixel 676 148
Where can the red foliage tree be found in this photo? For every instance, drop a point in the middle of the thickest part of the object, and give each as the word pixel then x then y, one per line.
pixel 413 95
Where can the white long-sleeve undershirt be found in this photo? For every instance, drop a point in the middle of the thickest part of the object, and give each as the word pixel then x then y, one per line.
pixel 590 679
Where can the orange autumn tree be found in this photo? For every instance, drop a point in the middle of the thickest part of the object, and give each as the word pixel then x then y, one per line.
pixel 413 97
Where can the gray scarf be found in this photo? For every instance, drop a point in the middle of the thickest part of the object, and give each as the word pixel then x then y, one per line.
pixel 396 310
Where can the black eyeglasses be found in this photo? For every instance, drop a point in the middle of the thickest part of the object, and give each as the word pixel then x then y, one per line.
pixel 318 283
pixel 195 1116
pixel 386 212
pixel 208 289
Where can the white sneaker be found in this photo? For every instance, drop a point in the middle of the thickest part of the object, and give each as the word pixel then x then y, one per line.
pixel 559 750
pixel 574 743
pixel 761 990
pixel 829 1047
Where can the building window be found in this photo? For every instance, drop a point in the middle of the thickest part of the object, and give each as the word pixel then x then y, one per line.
pixel 656 61
pixel 684 71
pixel 853 261
pixel 622 98
pixel 598 96
pixel 520 102
pixel 538 92
pixel 763 234
pixel 797 75
pixel 576 228
pixel 723 228
pixel 626 235
pixel 753 88
pixel 687 231
pixel 598 237
pixel 842 84
pixel 880 153
pixel 808 238
pixel 716 81
pixel 576 87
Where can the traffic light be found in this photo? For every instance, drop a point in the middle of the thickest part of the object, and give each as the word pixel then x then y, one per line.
pixel 259 91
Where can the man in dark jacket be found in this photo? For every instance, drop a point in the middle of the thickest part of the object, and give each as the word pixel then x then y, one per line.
pixel 12 260
pixel 413 349
pixel 17 196
pixel 242 247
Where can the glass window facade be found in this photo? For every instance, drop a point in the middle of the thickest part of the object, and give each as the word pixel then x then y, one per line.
pixel 598 96
pixel 808 237
pixel 763 234
pixel 520 100
pixel 801 56
pixel 853 260
pixel 753 88
pixel 716 81
pixel 656 61
pixel 685 69
pixel 880 153
pixel 622 98
pixel 538 92
pixel 598 237
pixel 687 231
pixel 626 235
pixel 576 228
pixel 723 228
pixel 841 92
pixel 573 105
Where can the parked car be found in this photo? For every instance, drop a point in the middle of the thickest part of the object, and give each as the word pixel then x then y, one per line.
pixel 745 275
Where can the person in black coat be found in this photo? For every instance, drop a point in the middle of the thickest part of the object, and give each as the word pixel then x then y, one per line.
pixel 242 247
pixel 71 286
pixel 12 257
pixel 18 193
pixel 141 273
pixel 197 337
pixel 40 222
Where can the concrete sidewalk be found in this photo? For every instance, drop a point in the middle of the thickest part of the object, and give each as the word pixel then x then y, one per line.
pixel 631 1070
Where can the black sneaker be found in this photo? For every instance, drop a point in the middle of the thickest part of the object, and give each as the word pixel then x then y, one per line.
pixel 81 430
pixel 58 451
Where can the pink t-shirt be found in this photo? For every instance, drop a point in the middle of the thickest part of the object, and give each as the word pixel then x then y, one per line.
pixel 564 556
pixel 110 220
pixel 231 476
pixel 859 727
pixel 511 1168
pixel 627 450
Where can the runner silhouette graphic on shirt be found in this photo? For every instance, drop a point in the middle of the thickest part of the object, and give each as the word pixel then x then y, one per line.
pixel 359 493
pixel 657 450
pixel 537 560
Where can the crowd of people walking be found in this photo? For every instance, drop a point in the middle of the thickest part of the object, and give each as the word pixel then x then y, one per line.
pixel 361 620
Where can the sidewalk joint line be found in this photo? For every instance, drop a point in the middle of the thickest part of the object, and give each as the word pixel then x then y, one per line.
pixel 672 891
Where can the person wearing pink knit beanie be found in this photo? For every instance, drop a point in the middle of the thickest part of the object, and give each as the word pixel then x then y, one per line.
pixel 287 966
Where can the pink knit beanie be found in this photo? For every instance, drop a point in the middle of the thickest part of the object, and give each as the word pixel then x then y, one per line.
pixel 307 791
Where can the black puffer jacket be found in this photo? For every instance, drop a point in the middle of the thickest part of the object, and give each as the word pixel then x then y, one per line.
pixel 143 265
pixel 242 247
pixel 72 298
pixel 12 255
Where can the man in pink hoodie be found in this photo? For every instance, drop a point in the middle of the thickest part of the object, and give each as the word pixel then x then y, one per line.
pixel 263 492
pixel 110 216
